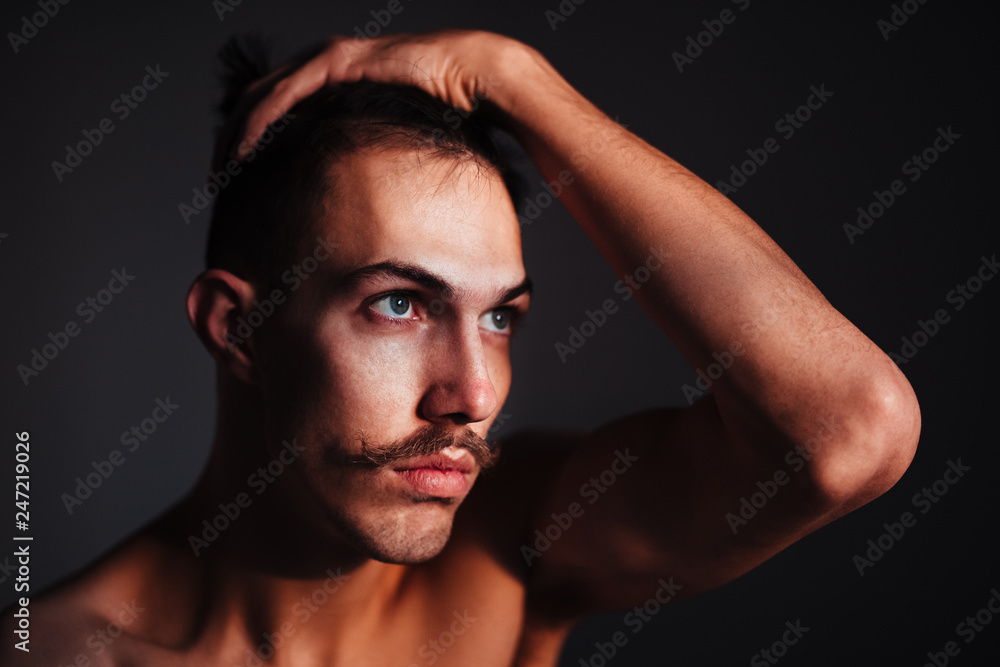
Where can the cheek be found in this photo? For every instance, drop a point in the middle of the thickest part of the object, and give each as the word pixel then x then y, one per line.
pixel 378 378
pixel 334 379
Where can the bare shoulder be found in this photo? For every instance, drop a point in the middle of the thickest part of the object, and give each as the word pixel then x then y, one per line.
pixel 77 622
pixel 62 626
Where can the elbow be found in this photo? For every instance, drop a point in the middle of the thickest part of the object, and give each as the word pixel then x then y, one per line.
pixel 877 445
pixel 897 429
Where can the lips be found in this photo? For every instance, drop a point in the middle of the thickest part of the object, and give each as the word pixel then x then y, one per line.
pixel 461 462
pixel 439 475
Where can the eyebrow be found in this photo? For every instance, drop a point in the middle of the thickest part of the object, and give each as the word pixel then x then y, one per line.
pixel 424 278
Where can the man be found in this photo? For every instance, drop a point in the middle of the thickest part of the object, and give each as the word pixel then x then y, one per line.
pixel 364 277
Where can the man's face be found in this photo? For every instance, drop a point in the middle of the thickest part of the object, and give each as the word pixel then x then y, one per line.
pixel 405 328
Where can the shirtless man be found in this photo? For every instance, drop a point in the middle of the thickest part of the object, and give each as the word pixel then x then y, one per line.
pixel 336 523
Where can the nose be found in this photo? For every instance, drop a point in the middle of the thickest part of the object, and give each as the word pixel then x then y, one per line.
pixel 459 389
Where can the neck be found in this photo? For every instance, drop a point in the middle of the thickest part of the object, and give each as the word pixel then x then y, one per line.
pixel 265 564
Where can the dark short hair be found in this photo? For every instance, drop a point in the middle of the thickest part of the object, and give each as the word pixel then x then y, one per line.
pixel 260 214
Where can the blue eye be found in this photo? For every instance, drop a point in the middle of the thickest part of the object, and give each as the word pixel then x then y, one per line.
pixel 497 320
pixel 396 306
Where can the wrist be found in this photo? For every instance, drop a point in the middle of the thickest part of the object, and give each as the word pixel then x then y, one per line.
pixel 523 90
pixel 515 73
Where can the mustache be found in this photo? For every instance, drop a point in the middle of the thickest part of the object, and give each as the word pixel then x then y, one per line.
pixel 425 442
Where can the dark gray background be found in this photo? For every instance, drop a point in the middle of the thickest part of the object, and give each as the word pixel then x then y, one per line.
pixel 120 208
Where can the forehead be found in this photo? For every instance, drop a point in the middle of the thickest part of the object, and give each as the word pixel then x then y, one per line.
pixel 452 217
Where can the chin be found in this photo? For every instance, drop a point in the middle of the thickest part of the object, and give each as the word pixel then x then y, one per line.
pixel 409 550
pixel 406 537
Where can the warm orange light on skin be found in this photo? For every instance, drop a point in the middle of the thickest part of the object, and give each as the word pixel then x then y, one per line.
pixel 336 362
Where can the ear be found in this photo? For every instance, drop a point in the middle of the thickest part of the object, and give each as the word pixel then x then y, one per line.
pixel 215 301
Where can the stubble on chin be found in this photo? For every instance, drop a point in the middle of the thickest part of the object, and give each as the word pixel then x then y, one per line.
pixel 407 536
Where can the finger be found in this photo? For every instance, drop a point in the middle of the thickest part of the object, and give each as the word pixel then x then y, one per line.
pixel 235 124
pixel 285 93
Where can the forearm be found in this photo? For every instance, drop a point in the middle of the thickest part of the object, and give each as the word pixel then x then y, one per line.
pixel 726 287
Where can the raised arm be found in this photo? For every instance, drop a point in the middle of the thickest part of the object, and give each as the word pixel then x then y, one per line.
pixel 805 414
pixel 801 402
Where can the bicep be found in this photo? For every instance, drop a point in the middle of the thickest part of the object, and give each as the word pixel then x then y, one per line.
pixel 661 494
